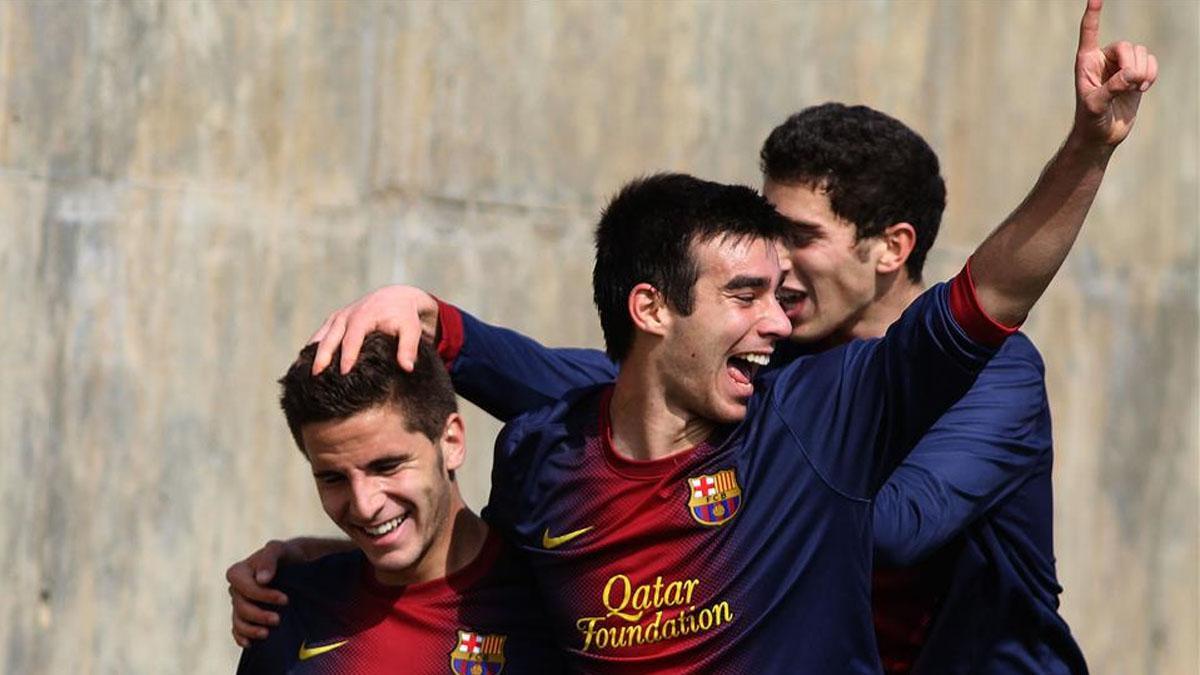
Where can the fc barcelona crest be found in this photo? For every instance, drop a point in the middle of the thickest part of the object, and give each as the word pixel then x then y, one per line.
pixel 714 499
pixel 477 654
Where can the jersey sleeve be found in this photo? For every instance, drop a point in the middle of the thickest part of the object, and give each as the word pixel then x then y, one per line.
pixel 511 462
pixel 507 374
pixel 858 410
pixel 976 455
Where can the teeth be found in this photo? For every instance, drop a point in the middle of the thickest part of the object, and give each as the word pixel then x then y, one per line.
pixel 756 359
pixel 385 527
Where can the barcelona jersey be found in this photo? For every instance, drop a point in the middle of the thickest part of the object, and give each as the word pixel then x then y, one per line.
pixel 481 620
pixel 963 542
pixel 751 551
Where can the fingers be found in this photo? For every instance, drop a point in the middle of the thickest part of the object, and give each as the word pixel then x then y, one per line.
pixel 1152 75
pixel 352 340
pixel 320 334
pixel 394 310
pixel 1089 27
pixel 1129 67
pixel 247 587
pixel 251 622
pixel 245 582
pixel 406 352
pixel 249 577
pixel 330 341
pixel 1120 55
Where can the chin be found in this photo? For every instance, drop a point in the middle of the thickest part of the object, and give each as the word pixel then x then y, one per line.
pixel 729 412
pixel 397 563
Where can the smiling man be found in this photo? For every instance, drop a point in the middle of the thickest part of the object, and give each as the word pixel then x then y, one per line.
pixel 691 518
pixel 427 583
pixel 696 514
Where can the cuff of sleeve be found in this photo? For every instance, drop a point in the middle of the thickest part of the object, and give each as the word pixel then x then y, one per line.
pixel 450 332
pixel 964 306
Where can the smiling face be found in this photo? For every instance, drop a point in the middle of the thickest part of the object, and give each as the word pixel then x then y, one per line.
pixel 389 489
pixel 711 355
pixel 833 279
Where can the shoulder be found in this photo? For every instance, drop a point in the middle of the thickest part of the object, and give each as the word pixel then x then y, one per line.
pixel 1007 403
pixel 319 593
pixel 1016 367
pixel 1019 348
pixel 328 578
pixel 576 412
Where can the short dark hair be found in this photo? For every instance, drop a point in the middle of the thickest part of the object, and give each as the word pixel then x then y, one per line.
pixel 645 235
pixel 425 396
pixel 877 171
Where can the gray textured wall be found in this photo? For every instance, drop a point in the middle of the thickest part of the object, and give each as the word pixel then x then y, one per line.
pixel 186 189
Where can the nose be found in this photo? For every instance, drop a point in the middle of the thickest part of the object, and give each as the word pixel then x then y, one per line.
pixel 365 499
pixel 774 323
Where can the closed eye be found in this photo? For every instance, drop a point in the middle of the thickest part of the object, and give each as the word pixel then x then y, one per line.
pixel 329 477
pixel 388 465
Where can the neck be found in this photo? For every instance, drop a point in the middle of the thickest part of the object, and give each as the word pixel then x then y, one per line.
pixel 645 425
pixel 467 535
pixel 893 294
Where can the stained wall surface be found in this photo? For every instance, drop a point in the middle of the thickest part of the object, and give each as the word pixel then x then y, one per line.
pixel 186 188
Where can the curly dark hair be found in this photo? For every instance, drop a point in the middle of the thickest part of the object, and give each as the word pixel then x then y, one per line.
pixel 877 171
pixel 424 397
pixel 646 233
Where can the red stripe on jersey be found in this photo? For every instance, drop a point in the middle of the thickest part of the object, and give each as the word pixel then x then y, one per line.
pixel 450 332
pixel 964 305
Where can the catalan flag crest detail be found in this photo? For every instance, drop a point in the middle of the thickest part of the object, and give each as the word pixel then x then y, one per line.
pixel 714 499
pixel 477 654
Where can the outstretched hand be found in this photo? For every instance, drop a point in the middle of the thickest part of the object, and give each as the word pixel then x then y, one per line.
pixel 404 311
pixel 1109 81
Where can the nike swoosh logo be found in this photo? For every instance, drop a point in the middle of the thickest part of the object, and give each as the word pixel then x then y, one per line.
pixel 549 542
pixel 307 653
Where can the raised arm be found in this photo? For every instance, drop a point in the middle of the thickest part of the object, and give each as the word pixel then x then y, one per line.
pixel 1015 264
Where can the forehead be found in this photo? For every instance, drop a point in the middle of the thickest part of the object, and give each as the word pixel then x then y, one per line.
pixel 361 438
pixel 724 257
pixel 806 204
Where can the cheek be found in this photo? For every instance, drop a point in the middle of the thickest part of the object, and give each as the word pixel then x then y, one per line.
pixel 333 500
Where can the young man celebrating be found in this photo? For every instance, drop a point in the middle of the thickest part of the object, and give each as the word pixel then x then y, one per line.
pixel 690 519
pixel 843 295
pixel 427 583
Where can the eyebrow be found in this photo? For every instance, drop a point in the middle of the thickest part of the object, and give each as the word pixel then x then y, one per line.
pixel 398 458
pixel 743 281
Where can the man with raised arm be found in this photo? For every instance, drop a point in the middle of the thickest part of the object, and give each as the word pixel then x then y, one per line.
pixel 425 583
pixel 835 307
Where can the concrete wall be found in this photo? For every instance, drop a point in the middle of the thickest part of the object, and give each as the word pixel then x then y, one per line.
pixel 186 188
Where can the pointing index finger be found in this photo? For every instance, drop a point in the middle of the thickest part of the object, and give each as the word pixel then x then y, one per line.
pixel 1089 27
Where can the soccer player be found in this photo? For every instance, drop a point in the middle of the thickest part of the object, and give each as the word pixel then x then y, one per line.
pixel 832 289
pixel 427 586
pixel 690 519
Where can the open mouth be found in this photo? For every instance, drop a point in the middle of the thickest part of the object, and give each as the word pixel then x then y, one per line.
pixel 743 367
pixel 385 527
pixel 790 298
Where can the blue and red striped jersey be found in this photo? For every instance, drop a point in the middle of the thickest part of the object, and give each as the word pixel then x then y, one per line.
pixel 751 551
pixel 480 620
pixel 965 579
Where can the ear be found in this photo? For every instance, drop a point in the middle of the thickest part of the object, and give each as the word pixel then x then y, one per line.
pixel 898 242
pixel 647 310
pixel 454 442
